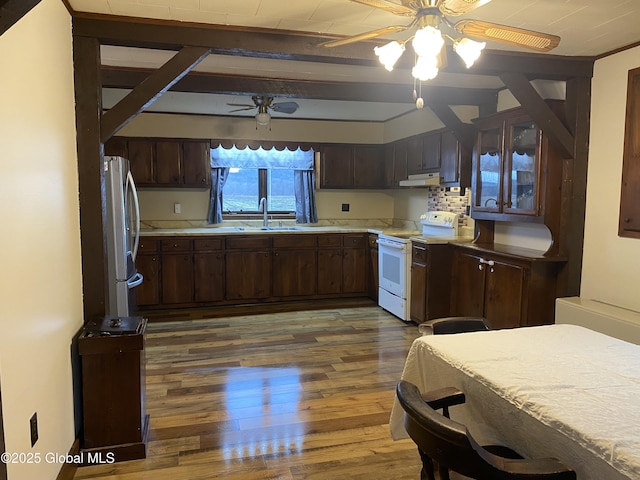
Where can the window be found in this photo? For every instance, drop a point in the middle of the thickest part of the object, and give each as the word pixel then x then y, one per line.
pixel 245 187
pixel 241 177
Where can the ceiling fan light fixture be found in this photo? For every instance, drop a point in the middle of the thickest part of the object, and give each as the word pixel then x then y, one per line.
pixel 263 119
pixel 428 41
pixel 468 50
pixel 389 54
pixel 426 68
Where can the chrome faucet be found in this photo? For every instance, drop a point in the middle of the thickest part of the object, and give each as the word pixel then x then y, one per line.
pixel 262 206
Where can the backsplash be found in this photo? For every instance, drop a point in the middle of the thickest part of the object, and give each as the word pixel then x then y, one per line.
pixel 437 199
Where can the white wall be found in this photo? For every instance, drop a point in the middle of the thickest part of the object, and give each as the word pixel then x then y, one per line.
pixel 611 265
pixel 40 285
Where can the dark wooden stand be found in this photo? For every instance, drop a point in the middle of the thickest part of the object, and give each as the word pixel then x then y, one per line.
pixel 113 389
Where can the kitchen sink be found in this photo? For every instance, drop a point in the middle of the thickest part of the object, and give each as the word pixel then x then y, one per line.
pixel 271 229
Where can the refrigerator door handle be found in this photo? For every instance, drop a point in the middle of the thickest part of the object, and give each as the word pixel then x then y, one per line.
pixel 136 204
pixel 135 280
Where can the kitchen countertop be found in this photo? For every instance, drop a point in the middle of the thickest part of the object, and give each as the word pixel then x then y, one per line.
pixel 271 230
pixel 213 231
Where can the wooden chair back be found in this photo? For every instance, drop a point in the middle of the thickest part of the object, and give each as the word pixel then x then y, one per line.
pixel 449 444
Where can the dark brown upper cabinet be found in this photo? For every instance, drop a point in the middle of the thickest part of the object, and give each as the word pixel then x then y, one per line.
pixel 165 162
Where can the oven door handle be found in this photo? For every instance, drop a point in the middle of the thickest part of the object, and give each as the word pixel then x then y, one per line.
pixel 387 243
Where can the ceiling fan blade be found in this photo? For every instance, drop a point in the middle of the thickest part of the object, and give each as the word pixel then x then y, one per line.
pixel 389 7
pixel 240 105
pixel 541 42
pixel 240 109
pixel 366 35
pixel 460 7
pixel 285 107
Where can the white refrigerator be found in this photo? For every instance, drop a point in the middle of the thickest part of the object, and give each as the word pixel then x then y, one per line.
pixel 123 235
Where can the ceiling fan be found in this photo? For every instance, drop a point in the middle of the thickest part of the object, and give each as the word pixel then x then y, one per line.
pixel 264 104
pixel 433 12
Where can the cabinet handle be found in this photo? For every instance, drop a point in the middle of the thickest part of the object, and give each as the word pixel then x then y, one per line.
pixel 480 267
pixel 491 263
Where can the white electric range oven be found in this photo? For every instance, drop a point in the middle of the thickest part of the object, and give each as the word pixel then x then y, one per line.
pixel 394 261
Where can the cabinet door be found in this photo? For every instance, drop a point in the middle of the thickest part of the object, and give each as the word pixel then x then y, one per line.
pixel 208 276
pixel 116 146
pixel 399 162
pixel 449 158
pixel 468 285
pixel 294 272
pixel 354 270
pixel 196 165
pixel 368 167
pixel 177 278
pixel 521 167
pixel 248 275
pixel 336 168
pixel 504 295
pixel 431 153
pixel 372 282
pixel 148 292
pixel 168 163
pixel 418 302
pixel 141 158
pixel 414 155
pixel 488 171
pixel 329 271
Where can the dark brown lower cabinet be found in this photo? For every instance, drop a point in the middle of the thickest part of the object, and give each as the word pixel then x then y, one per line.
pixel 208 276
pixel 430 281
pixel 113 394
pixel 294 265
pixel 148 292
pixel 342 264
pixel 177 277
pixel 507 287
pixel 372 278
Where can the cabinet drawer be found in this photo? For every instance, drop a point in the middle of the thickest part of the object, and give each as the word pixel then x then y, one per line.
pixel 200 244
pixel 419 253
pixel 148 245
pixel 351 241
pixel 176 244
pixel 294 241
pixel 253 242
pixel 330 240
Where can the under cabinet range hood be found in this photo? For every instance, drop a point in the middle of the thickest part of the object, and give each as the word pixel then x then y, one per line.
pixel 421 180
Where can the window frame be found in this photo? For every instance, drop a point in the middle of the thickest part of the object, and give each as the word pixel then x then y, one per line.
pixel 255 214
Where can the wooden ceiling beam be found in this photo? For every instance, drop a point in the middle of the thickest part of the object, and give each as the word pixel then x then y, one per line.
pixel 152 87
pixel 541 113
pixel 211 83
pixel 287 45
pixel 464 132
pixel 13 10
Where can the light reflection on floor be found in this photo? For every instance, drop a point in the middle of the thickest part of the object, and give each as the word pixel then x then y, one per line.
pixel 261 398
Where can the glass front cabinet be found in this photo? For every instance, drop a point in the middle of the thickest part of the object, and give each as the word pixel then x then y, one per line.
pixel 511 169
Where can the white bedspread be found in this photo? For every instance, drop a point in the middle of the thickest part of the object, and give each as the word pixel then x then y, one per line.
pixel 558 390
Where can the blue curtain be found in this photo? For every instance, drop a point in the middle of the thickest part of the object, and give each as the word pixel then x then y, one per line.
pixel 304 181
pixel 298 160
pixel 218 178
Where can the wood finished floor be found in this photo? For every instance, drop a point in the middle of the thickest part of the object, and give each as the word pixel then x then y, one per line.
pixel 293 395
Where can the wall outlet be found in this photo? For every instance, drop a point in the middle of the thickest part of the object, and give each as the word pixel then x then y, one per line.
pixel 345 207
pixel 33 427
pixel 177 208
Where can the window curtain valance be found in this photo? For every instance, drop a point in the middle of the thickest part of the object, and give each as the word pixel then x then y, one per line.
pixel 287 159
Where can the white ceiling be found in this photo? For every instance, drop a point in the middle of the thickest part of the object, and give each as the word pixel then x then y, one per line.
pixel 587 28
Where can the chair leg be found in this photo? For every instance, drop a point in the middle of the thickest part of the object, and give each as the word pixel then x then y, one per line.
pixel 427 472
